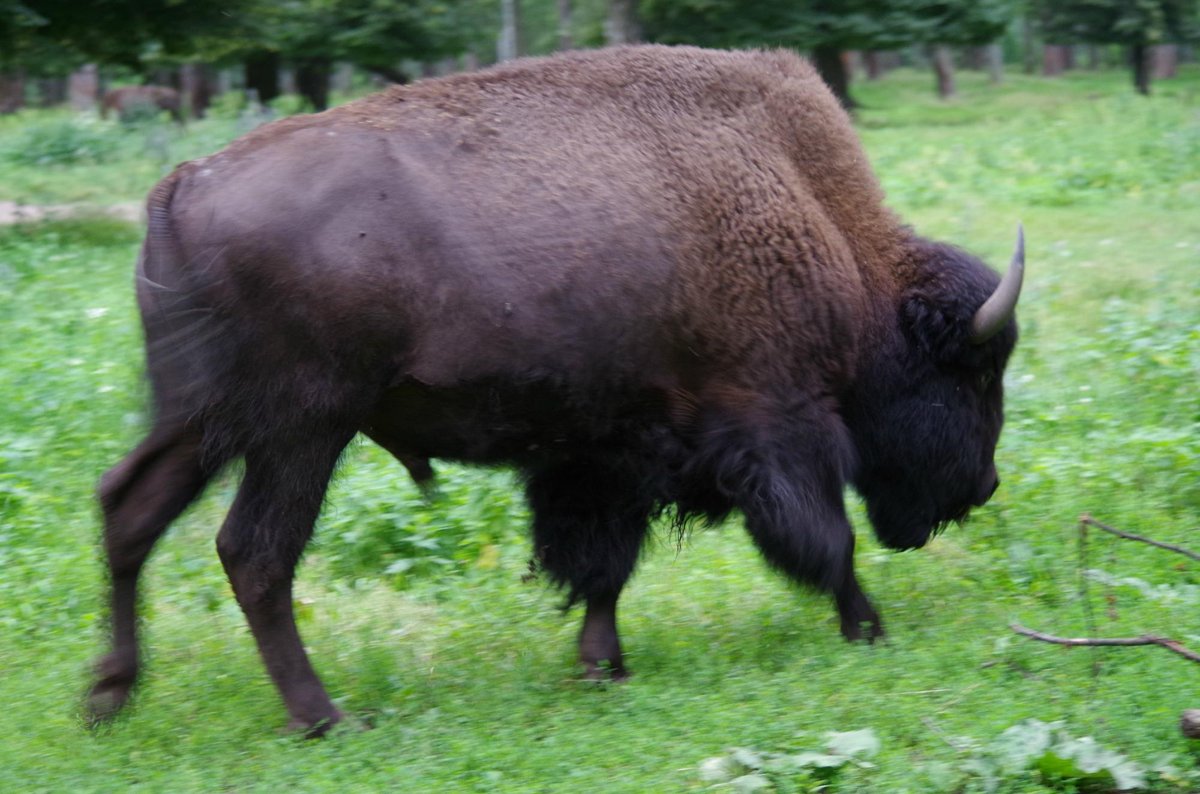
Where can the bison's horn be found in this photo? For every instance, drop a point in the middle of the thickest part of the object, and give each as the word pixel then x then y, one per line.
pixel 994 314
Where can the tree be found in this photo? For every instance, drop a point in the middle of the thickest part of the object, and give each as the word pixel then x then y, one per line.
pixel 1135 24
pixel 566 37
pixel 622 26
pixel 828 27
pixel 508 44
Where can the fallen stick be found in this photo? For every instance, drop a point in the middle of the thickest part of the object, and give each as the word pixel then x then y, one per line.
pixel 1145 639
pixel 1091 522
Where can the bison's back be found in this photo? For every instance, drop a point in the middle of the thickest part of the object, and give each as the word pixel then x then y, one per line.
pixel 632 217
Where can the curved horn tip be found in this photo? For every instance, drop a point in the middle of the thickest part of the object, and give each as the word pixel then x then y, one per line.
pixel 996 311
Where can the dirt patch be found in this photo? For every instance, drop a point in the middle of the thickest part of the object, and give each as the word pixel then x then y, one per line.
pixel 12 212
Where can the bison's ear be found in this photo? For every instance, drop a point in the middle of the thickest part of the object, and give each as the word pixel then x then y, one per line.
pixel 936 330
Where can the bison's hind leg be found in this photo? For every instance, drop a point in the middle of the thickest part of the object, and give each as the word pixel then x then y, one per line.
pixel 140 497
pixel 589 524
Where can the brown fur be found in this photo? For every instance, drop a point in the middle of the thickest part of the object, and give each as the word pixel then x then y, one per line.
pixel 129 99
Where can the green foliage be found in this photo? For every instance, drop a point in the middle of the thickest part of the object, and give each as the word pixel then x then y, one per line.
pixel 127 32
pixel 466 673
pixel 745 770
pixel 368 33
pixel 1118 21
pixel 860 24
pixel 63 142
pixel 380 527
pixel 1063 762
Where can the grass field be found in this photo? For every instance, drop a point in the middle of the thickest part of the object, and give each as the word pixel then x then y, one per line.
pixel 461 677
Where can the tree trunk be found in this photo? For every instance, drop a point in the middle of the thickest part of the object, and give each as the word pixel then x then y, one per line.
pixel 832 69
pixel 993 56
pixel 262 74
pixel 1054 60
pixel 343 78
pixel 943 68
pixel 195 82
pixel 566 39
pixel 622 26
pixel 390 74
pixel 52 91
pixel 1165 58
pixel 83 87
pixel 12 91
pixel 874 64
pixel 1069 57
pixel 1093 57
pixel 1140 60
pixel 1028 51
pixel 508 46
pixel 312 82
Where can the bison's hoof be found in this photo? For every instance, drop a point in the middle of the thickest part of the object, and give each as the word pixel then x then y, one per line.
pixel 110 693
pixel 313 728
pixel 604 673
pixel 869 630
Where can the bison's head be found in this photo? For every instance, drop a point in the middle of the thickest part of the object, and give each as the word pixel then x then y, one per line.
pixel 929 406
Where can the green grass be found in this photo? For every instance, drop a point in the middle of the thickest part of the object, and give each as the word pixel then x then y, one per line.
pixel 416 614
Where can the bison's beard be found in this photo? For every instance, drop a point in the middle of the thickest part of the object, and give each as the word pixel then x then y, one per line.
pixel 905 518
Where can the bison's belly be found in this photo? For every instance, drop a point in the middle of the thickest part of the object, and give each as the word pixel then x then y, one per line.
pixel 493 422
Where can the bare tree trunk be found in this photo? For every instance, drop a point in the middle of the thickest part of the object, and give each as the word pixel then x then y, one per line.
pixel 1054 60
pixel 566 40
pixel 874 64
pixel 943 68
pixel 262 74
pixel 83 87
pixel 832 69
pixel 12 91
pixel 622 26
pixel 343 78
pixel 1069 57
pixel 195 82
pixel 52 91
pixel 993 56
pixel 1140 60
pixel 508 46
pixel 1028 52
pixel 312 82
pixel 1166 61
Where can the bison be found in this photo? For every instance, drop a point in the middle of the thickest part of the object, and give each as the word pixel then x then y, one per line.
pixel 650 279
pixel 131 101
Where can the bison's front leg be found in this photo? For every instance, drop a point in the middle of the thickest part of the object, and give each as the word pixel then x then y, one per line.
pixel 589 521
pixel 599 646
pixel 261 542
pixel 787 477
pixel 860 621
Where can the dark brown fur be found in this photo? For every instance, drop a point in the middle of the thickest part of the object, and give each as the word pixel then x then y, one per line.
pixel 647 277
pixel 129 100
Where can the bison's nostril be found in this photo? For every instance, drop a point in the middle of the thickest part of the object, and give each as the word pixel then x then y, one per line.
pixel 986 492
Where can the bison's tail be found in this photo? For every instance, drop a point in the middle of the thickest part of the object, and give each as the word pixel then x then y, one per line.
pixel 189 347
